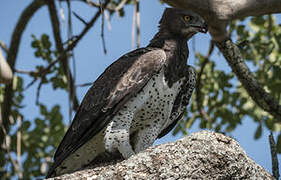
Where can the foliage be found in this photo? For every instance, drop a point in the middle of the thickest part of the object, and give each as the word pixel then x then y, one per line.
pixel 40 136
pixel 39 142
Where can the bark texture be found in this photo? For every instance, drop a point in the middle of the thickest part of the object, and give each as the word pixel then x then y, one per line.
pixel 202 155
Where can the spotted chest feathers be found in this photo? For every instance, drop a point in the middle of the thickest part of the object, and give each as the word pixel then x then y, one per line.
pixel 158 102
pixel 144 116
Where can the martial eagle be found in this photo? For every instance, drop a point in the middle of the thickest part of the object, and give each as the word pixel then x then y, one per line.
pixel 137 99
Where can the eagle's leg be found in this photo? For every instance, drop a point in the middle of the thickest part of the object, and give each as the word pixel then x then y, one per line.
pixel 146 137
pixel 117 134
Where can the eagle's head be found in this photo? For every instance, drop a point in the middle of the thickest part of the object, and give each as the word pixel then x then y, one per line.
pixel 182 22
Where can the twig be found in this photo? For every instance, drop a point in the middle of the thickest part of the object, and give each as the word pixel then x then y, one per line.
pixel 235 59
pixel 38 91
pixel 117 8
pixel 69 27
pixel 121 5
pixel 133 30
pixel 31 83
pixel 84 84
pixel 198 84
pixel 39 73
pixel 19 146
pixel 93 4
pixel 106 15
pixel 4 47
pixel 86 29
pixel 70 34
pixel 138 22
pixel 23 71
pixel 274 158
pixel 79 18
pixel 61 12
pixel 102 29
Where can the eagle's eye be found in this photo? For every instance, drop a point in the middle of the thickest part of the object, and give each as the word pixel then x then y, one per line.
pixel 187 18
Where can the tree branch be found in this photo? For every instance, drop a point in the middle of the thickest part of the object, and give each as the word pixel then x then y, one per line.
pixel 102 30
pixel 274 158
pixel 137 9
pixel 80 18
pixel 235 60
pixel 62 53
pixel 86 29
pixel 19 119
pixel 231 9
pixel 115 8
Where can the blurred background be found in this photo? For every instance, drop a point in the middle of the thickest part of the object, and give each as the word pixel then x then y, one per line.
pixel 43 100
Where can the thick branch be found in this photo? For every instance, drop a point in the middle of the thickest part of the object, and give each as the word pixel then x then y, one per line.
pixel 230 9
pixel 263 99
pixel 202 155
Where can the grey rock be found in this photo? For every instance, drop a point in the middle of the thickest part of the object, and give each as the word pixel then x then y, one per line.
pixel 201 155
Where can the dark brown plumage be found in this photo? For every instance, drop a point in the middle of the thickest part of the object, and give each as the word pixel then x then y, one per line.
pixel 120 111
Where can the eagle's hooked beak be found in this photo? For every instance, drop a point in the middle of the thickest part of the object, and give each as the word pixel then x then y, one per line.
pixel 202 28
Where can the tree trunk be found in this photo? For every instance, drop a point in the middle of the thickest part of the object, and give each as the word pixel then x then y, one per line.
pixel 202 155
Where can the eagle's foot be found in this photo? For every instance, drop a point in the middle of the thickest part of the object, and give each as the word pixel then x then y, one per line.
pixel 126 151
pixel 118 139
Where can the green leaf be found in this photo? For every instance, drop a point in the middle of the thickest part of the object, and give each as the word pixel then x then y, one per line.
pixel 258 132
pixel 45 41
pixel 43 110
pixel 35 44
pixel 25 126
pixel 258 20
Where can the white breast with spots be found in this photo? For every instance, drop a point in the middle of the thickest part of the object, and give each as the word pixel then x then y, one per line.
pixel 143 117
pixel 153 105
